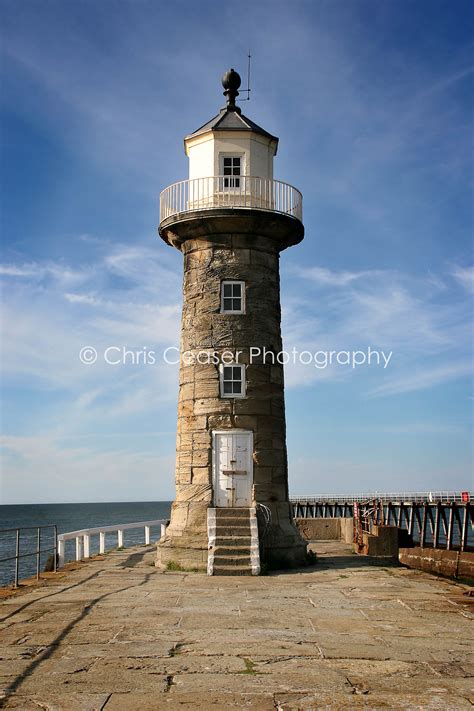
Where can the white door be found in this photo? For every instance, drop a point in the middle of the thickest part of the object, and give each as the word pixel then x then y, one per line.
pixel 233 468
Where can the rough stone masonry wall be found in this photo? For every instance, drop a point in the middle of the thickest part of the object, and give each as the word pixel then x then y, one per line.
pixel 453 564
pixel 255 260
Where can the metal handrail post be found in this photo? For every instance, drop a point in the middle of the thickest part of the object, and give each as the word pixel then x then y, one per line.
pixel 55 549
pixel 36 550
pixel 38 553
pixel 17 557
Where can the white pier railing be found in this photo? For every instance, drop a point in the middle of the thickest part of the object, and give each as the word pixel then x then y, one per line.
pixel 416 496
pixel 223 191
pixel 83 537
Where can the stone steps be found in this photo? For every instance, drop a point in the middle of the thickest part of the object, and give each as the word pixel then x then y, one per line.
pixel 227 549
pixel 232 570
pixel 234 531
pixel 232 561
pixel 232 542
pixel 233 513
pixel 233 520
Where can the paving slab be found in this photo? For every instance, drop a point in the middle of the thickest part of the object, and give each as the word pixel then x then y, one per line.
pixel 117 634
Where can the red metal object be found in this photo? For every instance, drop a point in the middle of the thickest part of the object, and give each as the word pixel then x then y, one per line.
pixel 367 514
pixel 358 538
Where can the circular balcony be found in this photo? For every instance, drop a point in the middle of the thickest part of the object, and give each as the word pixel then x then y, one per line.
pixel 230 192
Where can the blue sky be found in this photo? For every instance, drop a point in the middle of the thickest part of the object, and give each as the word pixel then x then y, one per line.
pixel 372 102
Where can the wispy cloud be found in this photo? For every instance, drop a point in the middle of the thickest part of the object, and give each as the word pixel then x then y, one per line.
pixel 60 273
pixel 45 326
pixel 105 471
pixel 428 333
pixel 422 378
pixel 14 271
pixel 465 277
pixel 89 299
pixel 328 277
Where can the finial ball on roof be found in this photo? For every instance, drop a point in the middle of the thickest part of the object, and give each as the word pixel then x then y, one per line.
pixel 231 80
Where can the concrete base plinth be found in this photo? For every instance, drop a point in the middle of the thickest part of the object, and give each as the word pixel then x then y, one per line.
pixel 185 542
pixel 283 545
pixel 185 545
pixel 185 554
pixel 292 555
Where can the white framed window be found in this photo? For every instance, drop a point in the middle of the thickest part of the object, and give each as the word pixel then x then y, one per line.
pixel 231 169
pixel 233 297
pixel 232 380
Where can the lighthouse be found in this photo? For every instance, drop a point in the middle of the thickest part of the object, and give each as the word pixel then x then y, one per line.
pixel 231 220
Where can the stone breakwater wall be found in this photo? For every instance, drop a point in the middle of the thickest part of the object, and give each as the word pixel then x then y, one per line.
pixel 452 564
pixel 326 529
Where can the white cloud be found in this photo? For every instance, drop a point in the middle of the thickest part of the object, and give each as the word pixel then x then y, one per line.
pixel 42 469
pixel 384 310
pixel 59 273
pixel 423 377
pixel 45 328
pixel 327 277
pixel 89 299
pixel 465 277
pixel 24 271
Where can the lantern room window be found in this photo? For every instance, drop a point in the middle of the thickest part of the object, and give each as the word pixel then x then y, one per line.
pixel 231 170
pixel 232 380
pixel 233 297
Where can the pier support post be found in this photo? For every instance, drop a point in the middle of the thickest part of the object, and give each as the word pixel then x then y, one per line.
pixel 61 547
pixel 87 540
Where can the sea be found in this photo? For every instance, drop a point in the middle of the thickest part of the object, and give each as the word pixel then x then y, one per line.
pixel 69 517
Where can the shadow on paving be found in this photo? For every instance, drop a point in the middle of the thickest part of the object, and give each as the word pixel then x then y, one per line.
pixel 134 559
pixel 354 561
pixel 52 594
pixel 15 685
pixel 337 561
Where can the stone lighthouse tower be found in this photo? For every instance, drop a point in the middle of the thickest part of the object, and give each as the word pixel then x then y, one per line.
pixel 231 220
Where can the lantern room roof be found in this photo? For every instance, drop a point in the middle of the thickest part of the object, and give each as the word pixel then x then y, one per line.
pixel 230 119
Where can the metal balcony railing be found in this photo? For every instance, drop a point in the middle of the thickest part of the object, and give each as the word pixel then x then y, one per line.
pixel 225 191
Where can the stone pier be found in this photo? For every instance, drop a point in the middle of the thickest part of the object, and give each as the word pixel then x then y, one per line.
pixel 117 634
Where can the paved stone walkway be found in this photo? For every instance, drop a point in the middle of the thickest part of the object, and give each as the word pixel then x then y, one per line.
pixel 117 634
